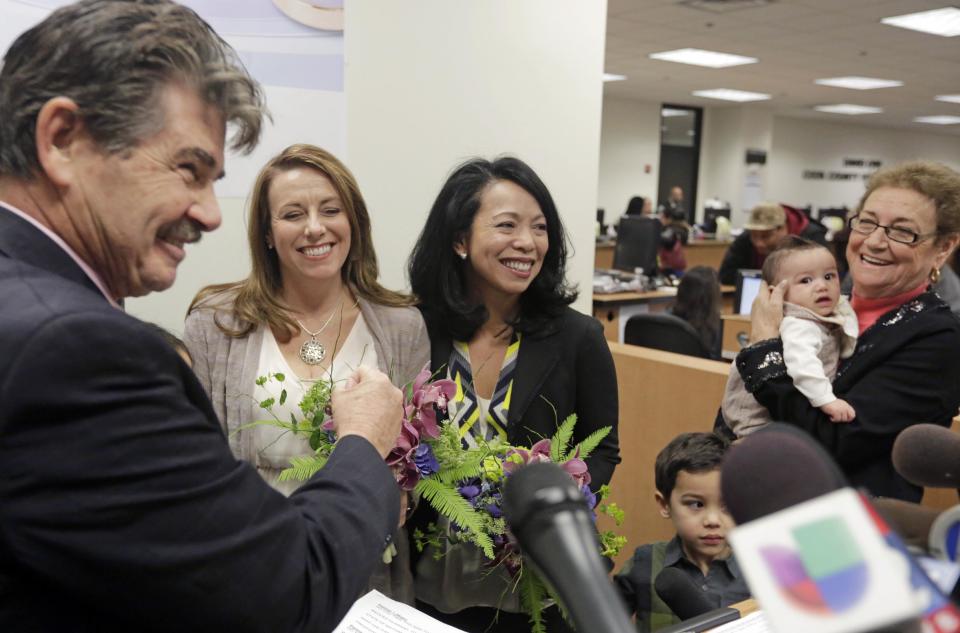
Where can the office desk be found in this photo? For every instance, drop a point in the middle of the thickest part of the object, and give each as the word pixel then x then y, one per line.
pixel 698 253
pixel 613 310
pixel 735 327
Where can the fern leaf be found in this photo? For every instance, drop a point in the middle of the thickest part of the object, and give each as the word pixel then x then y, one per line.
pixel 531 598
pixel 302 468
pixel 560 441
pixel 589 443
pixel 447 501
pixel 470 468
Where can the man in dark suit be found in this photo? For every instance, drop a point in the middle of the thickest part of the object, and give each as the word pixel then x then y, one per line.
pixel 121 507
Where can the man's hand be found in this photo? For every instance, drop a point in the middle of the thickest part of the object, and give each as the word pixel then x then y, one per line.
pixel 368 405
pixel 767 312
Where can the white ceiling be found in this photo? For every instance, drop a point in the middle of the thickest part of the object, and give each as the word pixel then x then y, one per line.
pixel 796 42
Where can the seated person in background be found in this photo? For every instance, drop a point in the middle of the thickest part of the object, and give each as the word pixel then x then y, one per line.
pixel 818 329
pixel 687 475
pixel 675 234
pixel 673 207
pixel 769 223
pixel 698 303
pixel 638 206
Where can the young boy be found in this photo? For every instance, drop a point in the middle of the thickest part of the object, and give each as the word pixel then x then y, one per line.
pixel 818 329
pixel 687 475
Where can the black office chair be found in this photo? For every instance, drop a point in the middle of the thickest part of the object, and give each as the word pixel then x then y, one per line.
pixel 638 238
pixel 664 332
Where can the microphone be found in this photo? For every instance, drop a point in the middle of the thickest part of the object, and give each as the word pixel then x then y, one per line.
pixel 912 521
pixel 778 468
pixel 549 517
pixel 689 603
pixel 823 556
pixel 681 594
pixel 928 455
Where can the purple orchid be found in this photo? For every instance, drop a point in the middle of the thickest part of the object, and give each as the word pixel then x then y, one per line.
pixel 425 460
pixel 427 398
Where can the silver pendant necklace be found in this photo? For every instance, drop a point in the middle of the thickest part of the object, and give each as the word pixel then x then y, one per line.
pixel 312 352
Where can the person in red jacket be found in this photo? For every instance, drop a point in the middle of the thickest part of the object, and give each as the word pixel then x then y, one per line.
pixel 769 223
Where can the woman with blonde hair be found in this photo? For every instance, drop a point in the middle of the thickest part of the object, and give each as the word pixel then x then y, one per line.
pixel 310 309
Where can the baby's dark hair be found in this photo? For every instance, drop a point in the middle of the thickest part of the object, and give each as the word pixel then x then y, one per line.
pixel 692 452
pixel 787 246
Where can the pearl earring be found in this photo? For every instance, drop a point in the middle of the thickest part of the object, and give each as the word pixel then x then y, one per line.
pixel 462 255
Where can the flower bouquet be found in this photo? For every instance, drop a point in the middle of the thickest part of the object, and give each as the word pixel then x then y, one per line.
pixel 463 485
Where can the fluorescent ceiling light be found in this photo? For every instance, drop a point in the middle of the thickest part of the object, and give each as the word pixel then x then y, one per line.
pixel 858 83
pixel 726 94
pixel 944 22
pixel 938 120
pixel 667 112
pixel 700 57
pixel 612 77
pixel 949 98
pixel 847 108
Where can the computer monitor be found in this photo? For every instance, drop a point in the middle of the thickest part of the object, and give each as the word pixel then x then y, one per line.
pixel 710 215
pixel 637 242
pixel 748 285
pixel 834 212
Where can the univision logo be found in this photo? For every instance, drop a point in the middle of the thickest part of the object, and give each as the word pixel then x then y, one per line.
pixel 826 573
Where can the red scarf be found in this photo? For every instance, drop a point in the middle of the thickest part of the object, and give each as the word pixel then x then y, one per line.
pixel 869 310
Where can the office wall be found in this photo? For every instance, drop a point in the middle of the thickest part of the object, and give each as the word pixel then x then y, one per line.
pixel 427 85
pixel 629 140
pixel 792 145
pixel 434 82
pixel 800 145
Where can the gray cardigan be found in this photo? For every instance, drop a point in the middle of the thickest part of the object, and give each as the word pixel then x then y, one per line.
pixel 227 367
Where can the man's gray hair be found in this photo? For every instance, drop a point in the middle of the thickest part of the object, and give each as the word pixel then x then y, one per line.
pixel 113 58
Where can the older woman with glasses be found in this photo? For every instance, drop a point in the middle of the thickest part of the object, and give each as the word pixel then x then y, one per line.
pixel 906 366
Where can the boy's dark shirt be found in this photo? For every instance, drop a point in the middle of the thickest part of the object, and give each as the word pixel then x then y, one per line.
pixel 723 584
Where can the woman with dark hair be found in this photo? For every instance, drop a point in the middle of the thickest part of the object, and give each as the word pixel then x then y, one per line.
pixel 638 206
pixel 311 309
pixel 489 272
pixel 698 303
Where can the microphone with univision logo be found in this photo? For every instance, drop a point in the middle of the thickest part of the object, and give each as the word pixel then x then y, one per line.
pixel 816 555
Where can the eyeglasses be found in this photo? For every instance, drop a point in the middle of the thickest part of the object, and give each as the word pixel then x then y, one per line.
pixel 865 226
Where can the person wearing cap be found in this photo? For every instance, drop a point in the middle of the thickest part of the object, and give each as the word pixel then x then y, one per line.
pixel 769 223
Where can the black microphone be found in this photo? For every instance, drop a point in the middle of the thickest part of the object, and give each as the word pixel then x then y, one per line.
pixel 689 603
pixel 681 594
pixel 779 467
pixel 928 455
pixel 548 515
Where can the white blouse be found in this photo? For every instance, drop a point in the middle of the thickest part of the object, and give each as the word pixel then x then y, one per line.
pixel 275 446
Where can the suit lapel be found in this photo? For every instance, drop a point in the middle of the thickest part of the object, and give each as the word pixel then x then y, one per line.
pixel 537 358
pixel 23 242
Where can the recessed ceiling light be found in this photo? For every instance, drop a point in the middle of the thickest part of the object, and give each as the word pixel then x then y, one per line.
pixel 726 94
pixel 944 22
pixel 938 120
pixel 948 98
pixel 858 83
pixel 612 77
pixel 847 108
pixel 700 57
pixel 667 112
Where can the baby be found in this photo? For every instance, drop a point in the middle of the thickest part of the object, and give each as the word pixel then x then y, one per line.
pixel 818 329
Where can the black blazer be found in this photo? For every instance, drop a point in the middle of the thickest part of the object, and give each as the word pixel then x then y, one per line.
pixel 564 368
pixel 121 506
pixel 905 370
